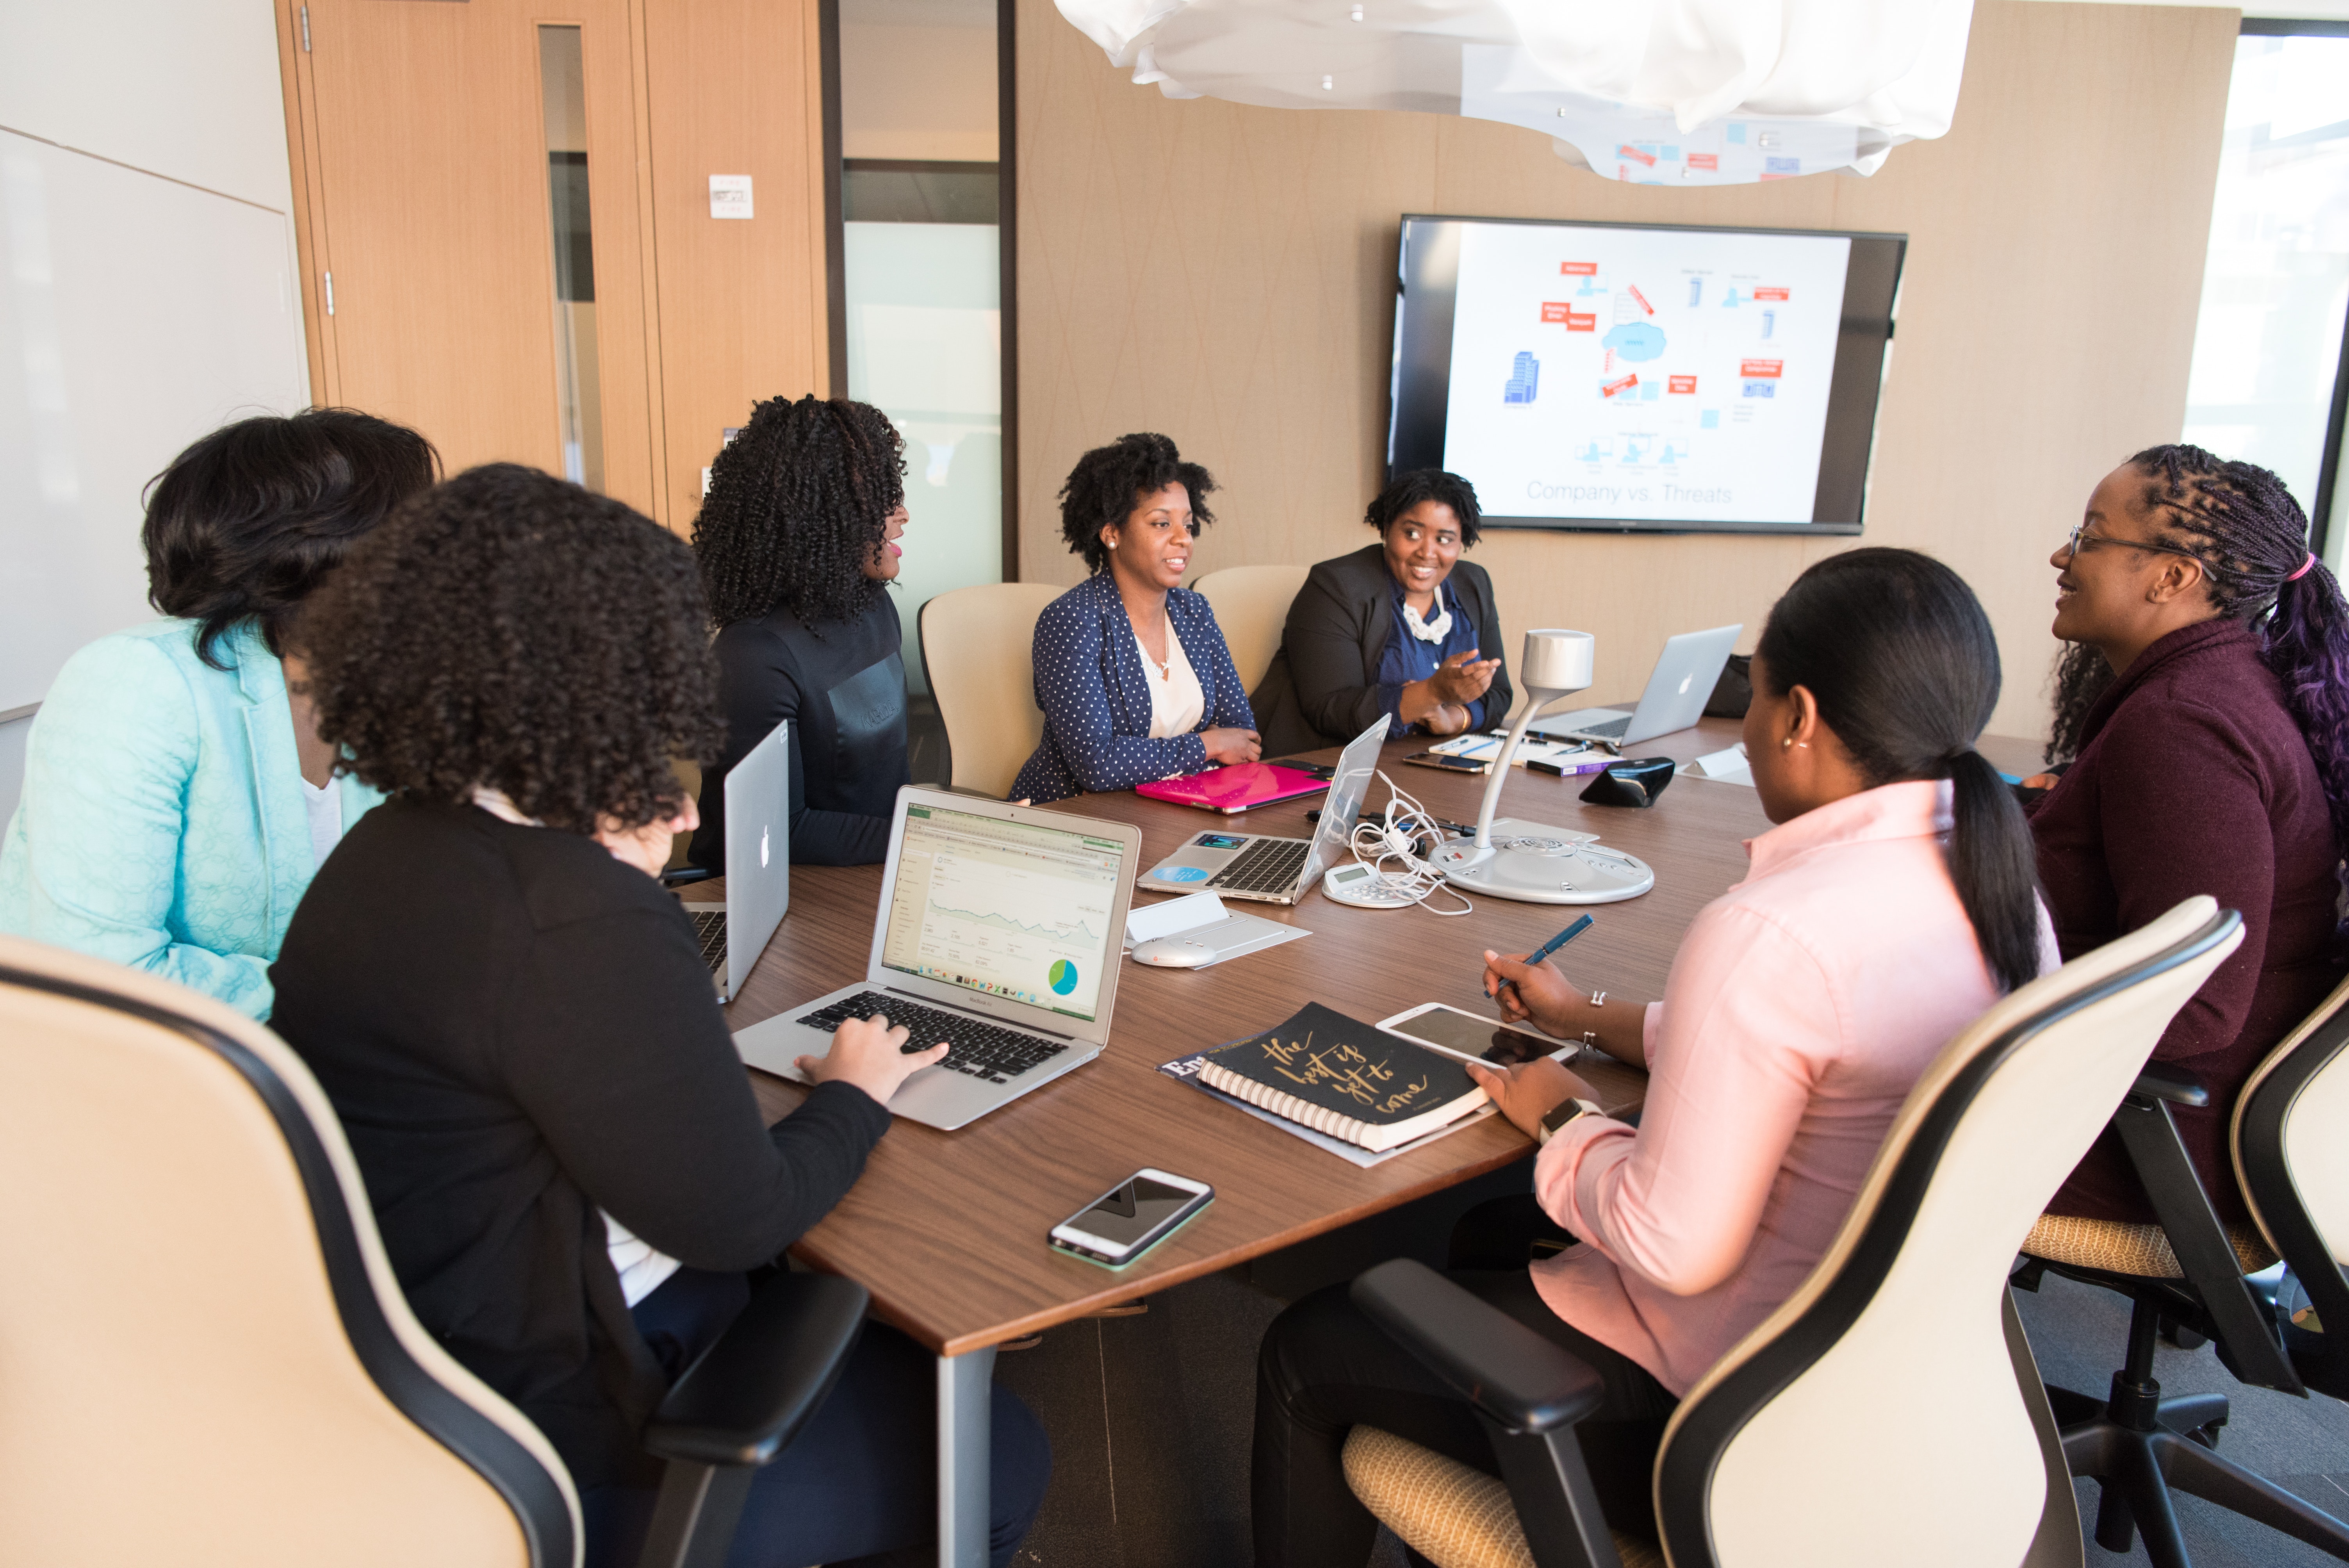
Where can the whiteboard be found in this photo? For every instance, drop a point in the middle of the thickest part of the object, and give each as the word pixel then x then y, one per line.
pixel 136 312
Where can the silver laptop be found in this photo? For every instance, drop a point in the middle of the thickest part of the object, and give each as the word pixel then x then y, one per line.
pixel 998 934
pixel 1686 673
pixel 758 865
pixel 1272 870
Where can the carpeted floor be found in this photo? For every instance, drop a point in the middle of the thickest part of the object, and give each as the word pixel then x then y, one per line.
pixel 1150 1420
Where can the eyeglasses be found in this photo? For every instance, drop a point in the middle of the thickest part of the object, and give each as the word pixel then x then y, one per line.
pixel 2080 539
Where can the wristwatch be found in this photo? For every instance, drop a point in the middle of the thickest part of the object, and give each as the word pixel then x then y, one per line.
pixel 1562 1114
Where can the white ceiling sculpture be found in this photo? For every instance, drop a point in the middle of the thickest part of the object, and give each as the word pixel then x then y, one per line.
pixel 1660 92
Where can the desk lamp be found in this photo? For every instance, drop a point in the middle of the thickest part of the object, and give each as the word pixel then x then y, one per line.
pixel 1532 862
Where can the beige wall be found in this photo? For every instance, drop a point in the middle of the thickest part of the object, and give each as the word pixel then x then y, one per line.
pixel 917 79
pixel 1226 274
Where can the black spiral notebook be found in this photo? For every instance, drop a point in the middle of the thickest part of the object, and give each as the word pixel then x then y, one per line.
pixel 1346 1079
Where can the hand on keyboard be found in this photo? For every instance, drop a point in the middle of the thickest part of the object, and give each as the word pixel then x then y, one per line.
pixel 872 1055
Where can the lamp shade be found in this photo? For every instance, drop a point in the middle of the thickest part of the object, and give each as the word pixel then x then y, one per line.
pixel 1658 92
pixel 1558 660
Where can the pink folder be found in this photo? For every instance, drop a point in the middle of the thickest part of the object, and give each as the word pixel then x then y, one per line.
pixel 1233 788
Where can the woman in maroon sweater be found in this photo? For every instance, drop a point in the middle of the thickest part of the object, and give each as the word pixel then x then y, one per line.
pixel 2206 701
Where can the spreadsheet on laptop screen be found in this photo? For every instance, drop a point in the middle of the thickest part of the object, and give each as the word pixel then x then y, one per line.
pixel 1006 908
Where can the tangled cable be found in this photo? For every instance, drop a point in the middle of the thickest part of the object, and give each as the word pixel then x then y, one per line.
pixel 1395 837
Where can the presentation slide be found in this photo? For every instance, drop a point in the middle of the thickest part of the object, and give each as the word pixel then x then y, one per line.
pixel 1642 373
pixel 1000 910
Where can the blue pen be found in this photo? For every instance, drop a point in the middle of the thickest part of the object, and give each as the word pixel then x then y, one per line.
pixel 1547 948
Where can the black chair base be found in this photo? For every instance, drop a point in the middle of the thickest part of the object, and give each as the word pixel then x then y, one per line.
pixel 2139 1448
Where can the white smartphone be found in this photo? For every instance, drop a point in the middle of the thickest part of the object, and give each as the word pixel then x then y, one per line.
pixel 1463 1034
pixel 1132 1217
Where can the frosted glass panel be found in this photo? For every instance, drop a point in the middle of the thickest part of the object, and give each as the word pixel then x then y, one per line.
pixel 2267 341
pixel 925 346
pixel 564 93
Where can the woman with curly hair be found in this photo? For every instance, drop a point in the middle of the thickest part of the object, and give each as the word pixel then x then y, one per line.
pixel 797 546
pixel 2205 702
pixel 1400 627
pixel 1131 669
pixel 176 794
pixel 515 1024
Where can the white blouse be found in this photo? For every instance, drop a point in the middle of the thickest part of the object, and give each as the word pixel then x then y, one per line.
pixel 1177 703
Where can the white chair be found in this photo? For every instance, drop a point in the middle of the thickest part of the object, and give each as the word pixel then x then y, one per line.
pixel 1889 1411
pixel 979 655
pixel 208 1360
pixel 1251 604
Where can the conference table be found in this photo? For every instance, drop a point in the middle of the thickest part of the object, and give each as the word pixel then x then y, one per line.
pixel 947 1230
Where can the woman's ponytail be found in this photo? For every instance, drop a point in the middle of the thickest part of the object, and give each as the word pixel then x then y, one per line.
pixel 1996 869
pixel 1897 650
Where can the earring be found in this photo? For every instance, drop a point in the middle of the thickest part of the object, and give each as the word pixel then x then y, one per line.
pixel 1791 741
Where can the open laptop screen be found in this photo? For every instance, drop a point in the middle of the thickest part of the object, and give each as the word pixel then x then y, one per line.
pixel 1008 908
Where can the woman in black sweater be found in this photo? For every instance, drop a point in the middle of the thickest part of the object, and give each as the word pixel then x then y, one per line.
pixel 797 545
pixel 517 1028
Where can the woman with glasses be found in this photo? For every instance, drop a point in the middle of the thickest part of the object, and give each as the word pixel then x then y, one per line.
pixel 2203 709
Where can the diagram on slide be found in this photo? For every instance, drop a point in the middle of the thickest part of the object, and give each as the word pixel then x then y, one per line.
pixel 1682 375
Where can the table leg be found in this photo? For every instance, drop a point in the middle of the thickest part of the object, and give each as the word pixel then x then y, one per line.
pixel 966 1393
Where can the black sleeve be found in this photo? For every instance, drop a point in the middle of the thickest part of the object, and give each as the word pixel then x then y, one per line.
pixel 611 1042
pixel 756 690
pixel 1323 641
pixel 829 838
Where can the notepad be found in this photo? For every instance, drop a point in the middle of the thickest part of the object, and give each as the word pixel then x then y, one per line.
pixel 1344 1080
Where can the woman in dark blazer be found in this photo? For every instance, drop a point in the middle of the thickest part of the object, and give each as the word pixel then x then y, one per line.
pixel 516 1027
pixel 1130 670
pixel 1403 627
pixel 797 545
pixel 2202 703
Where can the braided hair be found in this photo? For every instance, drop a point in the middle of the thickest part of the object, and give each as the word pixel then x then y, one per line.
pixel 1897 652
pixel 798 503
pixel 1107 483
pixel 2240 522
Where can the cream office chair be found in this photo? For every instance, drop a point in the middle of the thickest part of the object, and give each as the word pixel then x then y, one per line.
pixel 2220 1282
pixel 1251 604
pixel 208 1361
pixel 979 655
pixel 1889 1412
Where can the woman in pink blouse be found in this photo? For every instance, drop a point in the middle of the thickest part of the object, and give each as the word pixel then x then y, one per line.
pixel 1892 904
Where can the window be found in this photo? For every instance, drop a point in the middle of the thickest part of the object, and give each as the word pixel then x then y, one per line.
pixel 2266 376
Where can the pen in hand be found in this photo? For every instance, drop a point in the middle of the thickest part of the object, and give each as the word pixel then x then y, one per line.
pixel 1546 949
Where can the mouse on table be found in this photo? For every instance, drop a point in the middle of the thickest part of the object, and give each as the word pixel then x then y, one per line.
pixel 1172 953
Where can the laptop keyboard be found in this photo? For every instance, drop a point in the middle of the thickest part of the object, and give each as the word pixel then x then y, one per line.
pixel 710 926
pixel 983 1050
pixel 1268 865
pixel 1608 729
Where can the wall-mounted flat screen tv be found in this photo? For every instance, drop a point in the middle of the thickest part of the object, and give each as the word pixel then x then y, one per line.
pixel 1643 378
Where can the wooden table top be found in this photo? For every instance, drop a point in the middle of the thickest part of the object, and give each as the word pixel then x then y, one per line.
pixel 947 1230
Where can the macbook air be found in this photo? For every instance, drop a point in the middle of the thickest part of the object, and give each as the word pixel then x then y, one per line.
pixel 1274 869
pixel 758 865
pixel 1686 673
pixel 999 933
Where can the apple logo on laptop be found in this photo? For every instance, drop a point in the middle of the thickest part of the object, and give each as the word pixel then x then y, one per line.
pixel 1686 681
pixel 763 848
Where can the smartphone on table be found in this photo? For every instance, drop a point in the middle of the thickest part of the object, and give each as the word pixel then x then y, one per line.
pixel 1464 1034
pixel 1132 1217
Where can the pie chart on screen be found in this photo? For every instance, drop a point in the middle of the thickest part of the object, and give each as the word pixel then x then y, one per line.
pixel 1062 976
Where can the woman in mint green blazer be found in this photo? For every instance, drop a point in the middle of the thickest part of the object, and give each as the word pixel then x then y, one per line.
pixel 177 799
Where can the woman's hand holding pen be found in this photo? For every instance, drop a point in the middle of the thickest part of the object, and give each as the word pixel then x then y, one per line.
pixel 1536 993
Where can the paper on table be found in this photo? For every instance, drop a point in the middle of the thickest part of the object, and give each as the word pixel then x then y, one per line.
pixel 1202 917
pixel 1485 747
pixel 1728 767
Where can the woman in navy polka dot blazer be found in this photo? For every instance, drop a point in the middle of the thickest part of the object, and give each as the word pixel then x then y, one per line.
pixel 1130 670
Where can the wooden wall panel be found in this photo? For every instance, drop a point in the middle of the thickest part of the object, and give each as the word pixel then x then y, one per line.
pixel 1226 274
pixel 733 88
